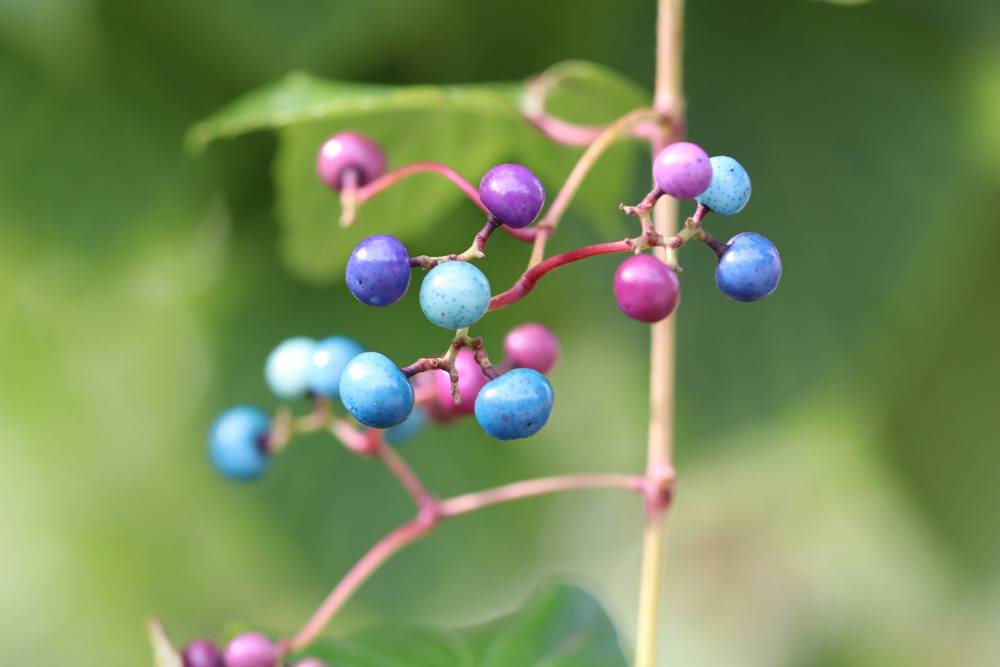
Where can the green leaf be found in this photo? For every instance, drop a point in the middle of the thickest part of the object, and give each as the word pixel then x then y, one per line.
pixel 469 128
pixel 559 626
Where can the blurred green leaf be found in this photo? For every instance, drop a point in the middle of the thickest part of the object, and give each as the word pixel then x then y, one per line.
pixel 559 626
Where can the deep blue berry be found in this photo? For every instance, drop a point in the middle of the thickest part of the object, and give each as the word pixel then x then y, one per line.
pixel 287 368
pixel 236 442
pixel 455 295
pixel 410 427
pixel 375 391
pixel 513 194
pixel 378 271
pixel 515 405
pixel 329 359
pixel 729 190
pixel 749 268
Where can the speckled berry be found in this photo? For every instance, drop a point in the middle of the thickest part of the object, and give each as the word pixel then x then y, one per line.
pixel 378 272
pixel 375 391
pixel 470 380
pixel 749 269
pixel 730 188
pixel 515 405
pixel 454 295
pixel 251 649
pixel 201 653
pixel 646 289
pixel 349 150
pixel 532 345
pixel 682 170
pixel 236 442
pixel 329 359
pixel 513 194
pixel 287 368
pixel 409 429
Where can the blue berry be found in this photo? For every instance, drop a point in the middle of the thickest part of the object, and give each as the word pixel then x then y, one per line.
pixel 730 188
pixel 455 295
pixel 513 194
pixel 749 268
pixel 410 427
pixel 287 368
pixel 515 405
pixel 236 442
pixel 375 391
pixel 378 272
pixel 329 359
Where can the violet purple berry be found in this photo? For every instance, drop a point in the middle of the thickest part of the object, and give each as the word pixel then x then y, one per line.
pixel 532 345
pixel 646 289
pixel 682 170
pixel 251 649
pixel 201 653
pixel 513 194
pixel 378 272
pixel 349 150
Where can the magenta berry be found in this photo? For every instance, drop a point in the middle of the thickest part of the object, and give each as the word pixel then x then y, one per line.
pixel 251 649
pixel 349 151
pixel 311 662
pixel 532 345
pixel 201 653
pixel 513 194
pixel 470 381
pixel 646 289
pixel 682 170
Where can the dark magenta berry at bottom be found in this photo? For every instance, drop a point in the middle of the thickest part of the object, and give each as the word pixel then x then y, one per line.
pixel 749 269
pixel 311 662
pixel 513 194
pixel 378 272
pixel 515 405
pixel 251 649
pixel 349 150
pixel 532 345
pixel 201 653
pixel 646 289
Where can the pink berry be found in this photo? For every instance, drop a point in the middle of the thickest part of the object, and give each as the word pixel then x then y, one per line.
pixel 470 381
pixel 646 289
pixel 311 662
pixel 532 345
pixel 349 150
pixel 251 649
pixel 201 653
pixel 682 170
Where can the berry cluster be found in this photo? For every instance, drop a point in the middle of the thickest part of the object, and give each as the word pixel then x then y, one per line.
pixel 250 649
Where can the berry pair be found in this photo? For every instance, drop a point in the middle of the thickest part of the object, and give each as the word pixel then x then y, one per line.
pixel 684 171
pixel 250 649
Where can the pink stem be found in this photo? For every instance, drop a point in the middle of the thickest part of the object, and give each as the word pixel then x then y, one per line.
pixel 530 277
pixel 472 502
pixel 401 470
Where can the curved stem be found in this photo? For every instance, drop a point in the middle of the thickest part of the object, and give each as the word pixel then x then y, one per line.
pixel 471 502
pixel 530 277
pixel 402 471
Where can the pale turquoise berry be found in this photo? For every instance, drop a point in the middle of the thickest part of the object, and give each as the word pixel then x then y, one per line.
pixel 455 295
pixel 330 357
pixel 729 190
pixel 287 369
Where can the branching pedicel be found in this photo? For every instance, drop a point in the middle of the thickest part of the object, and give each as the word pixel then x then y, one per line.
pixel 388 403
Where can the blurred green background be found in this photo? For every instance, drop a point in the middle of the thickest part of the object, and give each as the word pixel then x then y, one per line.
pixel 839 499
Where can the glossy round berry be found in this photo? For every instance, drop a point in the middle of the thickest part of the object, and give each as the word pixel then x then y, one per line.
pixel 515 405
pixel 749 269
pixel 375 391
pixel 349 150
pixel 646 289
pixel 532 345
pixel 513 194
pixel 454 295
pixel 251 649
pixel 236 442
pixel 329 359
pixel 730 188
pixel 470 381
pixel 682 170
pixel 287 368
pixel 201 653
pixel 378 271
pixel 409 429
